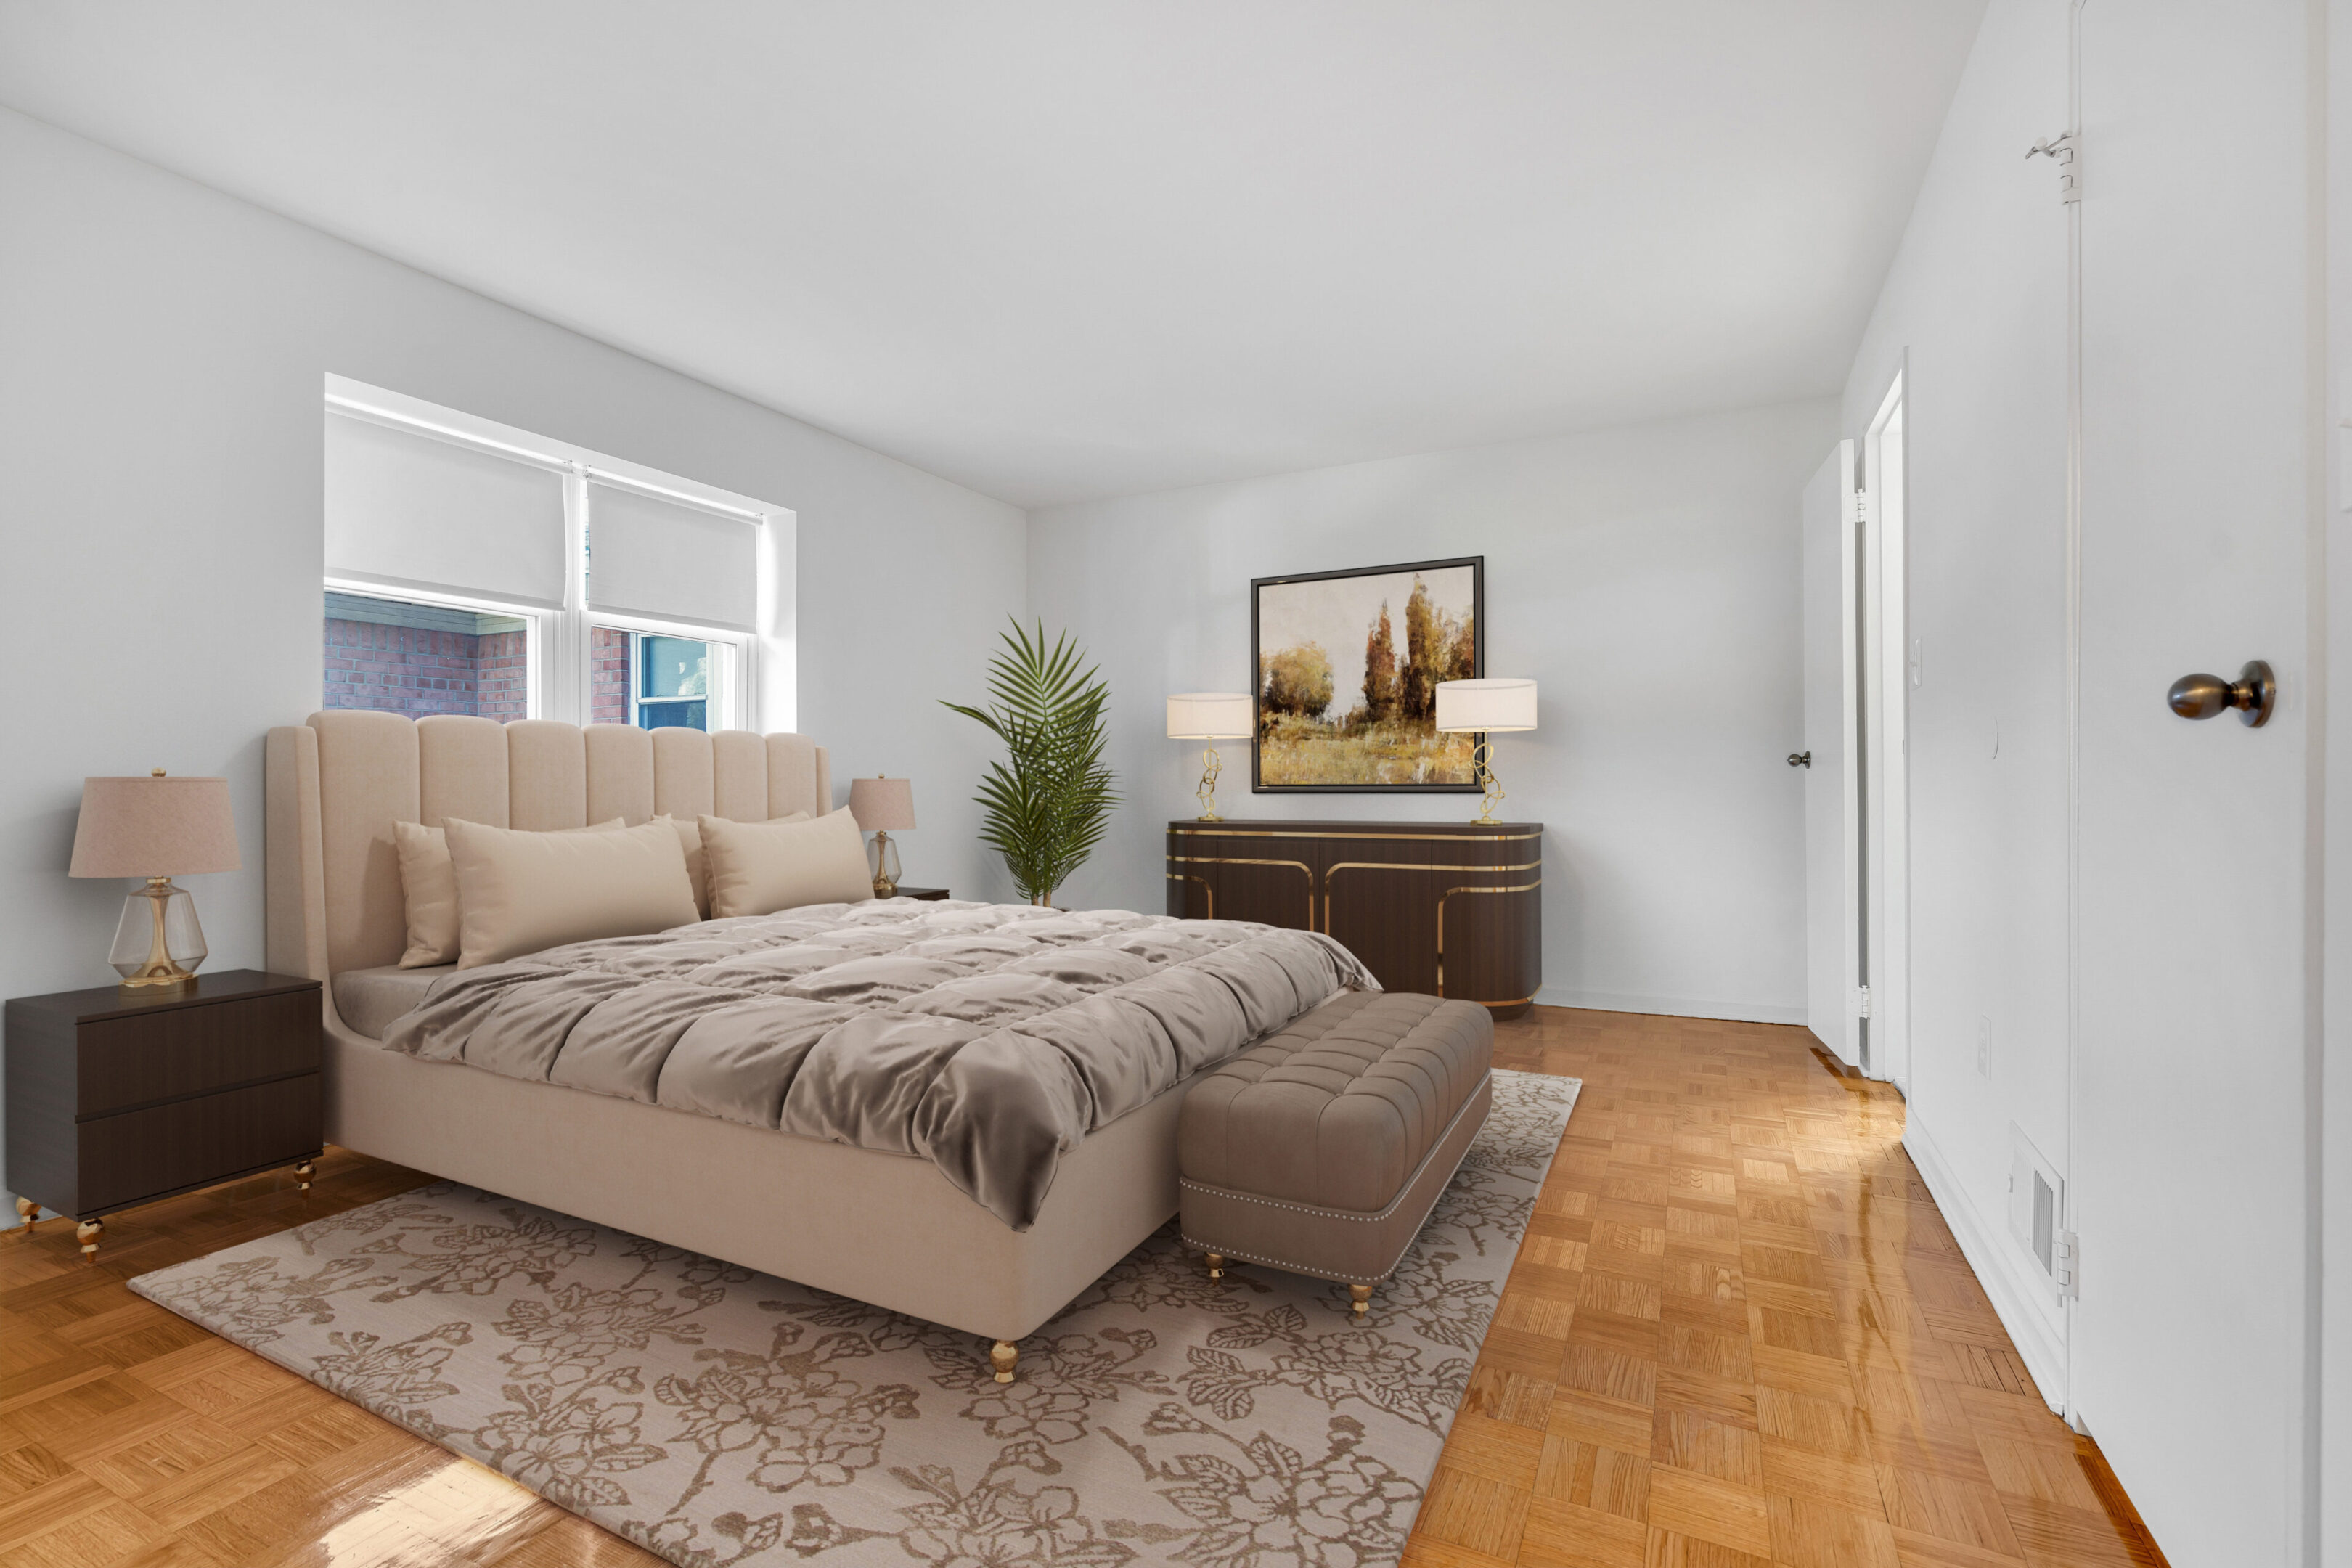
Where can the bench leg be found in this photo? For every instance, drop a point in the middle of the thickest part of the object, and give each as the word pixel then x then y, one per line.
pixel 1216 1265
pixel 28 1211
pixel 1360 1298
pixel 1004 1355
pixel 88 1232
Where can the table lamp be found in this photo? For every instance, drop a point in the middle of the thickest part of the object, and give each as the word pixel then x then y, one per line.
pixel 157 828
pixel 882 806
pixel 1485 708
pixel 1208 716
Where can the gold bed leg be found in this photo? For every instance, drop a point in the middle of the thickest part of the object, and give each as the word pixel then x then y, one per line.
pixel 28 1211
pixel 1216 1265
pixel 1004 1355
pixel 1360 1298
pixel 87 1233
pixel 303 1172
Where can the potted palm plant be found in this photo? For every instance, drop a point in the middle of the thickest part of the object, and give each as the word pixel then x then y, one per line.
pixel 1047 803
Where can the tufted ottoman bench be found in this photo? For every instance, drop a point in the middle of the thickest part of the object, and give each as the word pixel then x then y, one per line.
pixel 1323 1148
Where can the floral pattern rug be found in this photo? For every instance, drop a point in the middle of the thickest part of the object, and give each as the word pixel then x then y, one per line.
pixel 717 1416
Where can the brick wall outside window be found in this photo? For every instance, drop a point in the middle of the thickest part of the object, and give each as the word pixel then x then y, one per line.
pixel 404 670
pixel 502 675
pixel 608 676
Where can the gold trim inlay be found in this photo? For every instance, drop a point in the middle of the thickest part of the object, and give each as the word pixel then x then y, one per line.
pixel 1208 889
pixel 1300 865
pixel 1411 837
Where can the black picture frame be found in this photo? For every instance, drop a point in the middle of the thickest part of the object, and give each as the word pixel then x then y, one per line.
pixel 1258 586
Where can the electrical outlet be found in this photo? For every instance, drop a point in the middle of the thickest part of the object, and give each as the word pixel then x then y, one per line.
pixel 1984 1047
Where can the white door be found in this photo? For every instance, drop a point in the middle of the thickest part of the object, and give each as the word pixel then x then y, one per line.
pixel 1833 805
pixel 1885 698
pixel 2189 1170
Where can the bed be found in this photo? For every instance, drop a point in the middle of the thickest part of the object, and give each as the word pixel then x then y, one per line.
pixel 882 1228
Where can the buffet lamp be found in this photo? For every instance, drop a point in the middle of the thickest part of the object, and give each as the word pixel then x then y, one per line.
pixel 883 807
pixel 156 828
pixel 1208 716
pixel 1485 708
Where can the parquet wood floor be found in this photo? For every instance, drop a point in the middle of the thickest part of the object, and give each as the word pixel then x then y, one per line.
pixel 1739 1334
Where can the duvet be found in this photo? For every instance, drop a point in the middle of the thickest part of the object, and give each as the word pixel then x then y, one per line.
pixel 987 1038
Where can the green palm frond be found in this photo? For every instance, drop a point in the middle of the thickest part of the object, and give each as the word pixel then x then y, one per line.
pixel 1047 810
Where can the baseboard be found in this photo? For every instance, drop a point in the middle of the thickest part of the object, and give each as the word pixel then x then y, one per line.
pixel 1998 1268
pixel 1669 1006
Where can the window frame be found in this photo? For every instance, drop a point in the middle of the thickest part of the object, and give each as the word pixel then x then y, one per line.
pixel 760 666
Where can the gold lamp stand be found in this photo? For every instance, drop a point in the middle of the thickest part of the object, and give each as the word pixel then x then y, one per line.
pixel 1207 793
pixel 160 968
pixel 1482 760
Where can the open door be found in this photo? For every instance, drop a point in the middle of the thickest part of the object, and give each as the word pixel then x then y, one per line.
pixel 1832 794
pixel 2192 1172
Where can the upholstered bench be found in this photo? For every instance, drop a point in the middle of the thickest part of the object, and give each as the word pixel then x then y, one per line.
pixel 1322 1149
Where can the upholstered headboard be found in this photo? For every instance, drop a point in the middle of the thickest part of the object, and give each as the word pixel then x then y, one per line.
pixel 336 784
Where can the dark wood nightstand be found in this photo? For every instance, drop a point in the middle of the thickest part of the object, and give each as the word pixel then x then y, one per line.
pixel 927 893
pixel 117 1099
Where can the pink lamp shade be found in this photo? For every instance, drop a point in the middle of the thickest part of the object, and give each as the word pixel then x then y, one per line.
pixel 154 826
pixel 883 804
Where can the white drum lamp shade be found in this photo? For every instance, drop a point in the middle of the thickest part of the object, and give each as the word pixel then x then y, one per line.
pixel 883 804
pixel 1208 716
pixel 1491 706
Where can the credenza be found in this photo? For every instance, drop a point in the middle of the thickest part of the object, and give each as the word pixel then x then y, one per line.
pixel 1448 908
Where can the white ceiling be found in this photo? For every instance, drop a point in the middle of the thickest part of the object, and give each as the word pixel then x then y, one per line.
pixel 1059 250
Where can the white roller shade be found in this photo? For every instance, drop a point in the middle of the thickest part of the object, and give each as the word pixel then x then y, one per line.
pixel 668 561
pixel 408 511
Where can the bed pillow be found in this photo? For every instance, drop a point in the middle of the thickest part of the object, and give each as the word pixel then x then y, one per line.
pixel 430 888
pixel 689 838
pixel 520 893
pixel 759 868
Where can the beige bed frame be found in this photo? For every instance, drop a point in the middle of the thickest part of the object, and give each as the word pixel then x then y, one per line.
pixel 881 1228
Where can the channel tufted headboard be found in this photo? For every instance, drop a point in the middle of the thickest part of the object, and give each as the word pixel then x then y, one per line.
pixel 335 786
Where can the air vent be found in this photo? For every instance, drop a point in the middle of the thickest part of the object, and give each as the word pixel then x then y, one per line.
pixel 2037 1204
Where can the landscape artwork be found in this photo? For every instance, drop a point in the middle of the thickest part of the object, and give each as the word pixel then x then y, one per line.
pixel 1347 668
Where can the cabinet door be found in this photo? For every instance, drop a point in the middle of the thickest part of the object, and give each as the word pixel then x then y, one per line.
pixel 1192 880
pixel 1489 895
pixel 1379 903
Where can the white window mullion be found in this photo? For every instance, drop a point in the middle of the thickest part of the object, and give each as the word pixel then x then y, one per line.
pixel 566 683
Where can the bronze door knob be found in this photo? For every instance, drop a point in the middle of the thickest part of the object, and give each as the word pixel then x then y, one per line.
pixel 2253 694
pixel 1801 759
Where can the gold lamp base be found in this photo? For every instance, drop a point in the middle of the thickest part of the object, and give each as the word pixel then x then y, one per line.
pixel 1207 793
pixel 884 860
pixel 1481 760
pixel 171 934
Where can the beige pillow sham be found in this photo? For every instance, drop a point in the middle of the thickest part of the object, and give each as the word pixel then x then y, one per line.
pixel 689 838
pixel 430 889
pixel 759 868
pixel 520 893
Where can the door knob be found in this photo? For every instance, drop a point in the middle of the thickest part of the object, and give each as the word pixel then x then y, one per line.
pixel 2253 694
pixel 1801 759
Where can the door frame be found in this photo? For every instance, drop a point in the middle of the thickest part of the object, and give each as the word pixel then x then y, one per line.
pixel 1888 671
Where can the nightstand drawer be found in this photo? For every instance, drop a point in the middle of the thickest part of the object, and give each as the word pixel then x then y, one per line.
pixel 141 1154
pixel 126 1062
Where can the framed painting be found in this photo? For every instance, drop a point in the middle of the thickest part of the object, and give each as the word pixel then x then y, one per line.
pixel 1348 667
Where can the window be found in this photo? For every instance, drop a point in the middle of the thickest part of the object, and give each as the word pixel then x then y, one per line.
pixel 475 568
pixel 673 682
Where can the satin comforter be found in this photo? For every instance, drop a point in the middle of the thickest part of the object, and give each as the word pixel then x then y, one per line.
pixel 988 1038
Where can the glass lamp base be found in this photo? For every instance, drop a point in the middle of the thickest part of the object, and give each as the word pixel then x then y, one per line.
pixel 882 859
pixel 158 941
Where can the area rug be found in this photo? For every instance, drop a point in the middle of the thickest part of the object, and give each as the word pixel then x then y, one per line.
pixel 719 1417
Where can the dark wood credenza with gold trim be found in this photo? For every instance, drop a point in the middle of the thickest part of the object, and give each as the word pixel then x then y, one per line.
pixel 1445 907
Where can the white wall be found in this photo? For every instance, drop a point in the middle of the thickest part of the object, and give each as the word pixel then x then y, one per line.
pixel 1645 575
pixel 1974 311
pixel 161 352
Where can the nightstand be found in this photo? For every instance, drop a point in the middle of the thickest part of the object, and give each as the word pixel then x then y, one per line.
pixel 117 1099
pixel 926 893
